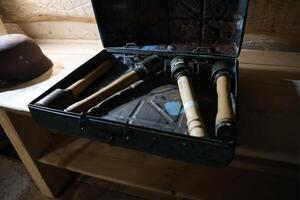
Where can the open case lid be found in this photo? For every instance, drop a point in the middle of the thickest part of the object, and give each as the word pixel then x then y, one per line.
pixel 206 27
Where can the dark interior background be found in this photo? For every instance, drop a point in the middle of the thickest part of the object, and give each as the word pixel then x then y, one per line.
pixel 211 26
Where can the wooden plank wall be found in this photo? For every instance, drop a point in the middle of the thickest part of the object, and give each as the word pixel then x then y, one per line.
pixel 47 10
pixel 274 16
pixel 74 19
pixel 52 19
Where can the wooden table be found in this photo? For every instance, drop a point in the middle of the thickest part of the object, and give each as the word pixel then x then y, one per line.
pixel 268 153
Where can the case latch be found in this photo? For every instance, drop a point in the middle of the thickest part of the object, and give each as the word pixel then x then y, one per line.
pixel 203 50
pixel 83 122
pixel 131 45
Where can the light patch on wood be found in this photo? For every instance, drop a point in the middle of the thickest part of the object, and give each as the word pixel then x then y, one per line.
pixel 61 30
pixel 2 28
pixel 39 10
pixel 13 28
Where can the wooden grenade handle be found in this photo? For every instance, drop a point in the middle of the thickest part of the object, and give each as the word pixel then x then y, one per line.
pixel 145 68
pixel 225 113
pixel 92 100
pixel 194 120
pixel 79 86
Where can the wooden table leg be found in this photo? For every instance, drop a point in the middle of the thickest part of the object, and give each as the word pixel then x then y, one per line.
pixel 30 141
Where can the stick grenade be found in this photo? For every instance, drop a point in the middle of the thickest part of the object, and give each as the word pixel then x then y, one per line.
pixel 61 98
pixel 225 119
pixel 181 73
pixel 142 70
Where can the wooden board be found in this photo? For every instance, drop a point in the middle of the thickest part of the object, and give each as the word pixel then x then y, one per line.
pixel 61 29
pixel 56 19
pixel 164 177
pixel 37 10
pixel 273 16
pixel 271 42
pixel 2 28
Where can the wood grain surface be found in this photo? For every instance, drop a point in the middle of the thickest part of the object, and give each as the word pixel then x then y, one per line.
pixel 47 10
pixel 162 178
pixel 274 16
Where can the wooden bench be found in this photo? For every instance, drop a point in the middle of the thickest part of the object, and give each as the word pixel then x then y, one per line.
pixel 268 156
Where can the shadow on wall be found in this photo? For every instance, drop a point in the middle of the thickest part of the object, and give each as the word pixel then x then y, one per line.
pixel 269 111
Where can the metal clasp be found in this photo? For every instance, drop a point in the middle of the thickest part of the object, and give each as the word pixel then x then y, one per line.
pixel 131 45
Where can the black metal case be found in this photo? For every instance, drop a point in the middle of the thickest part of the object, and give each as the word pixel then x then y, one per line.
pixel 149 116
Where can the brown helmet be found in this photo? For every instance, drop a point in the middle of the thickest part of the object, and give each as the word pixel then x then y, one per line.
pixel 21 59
